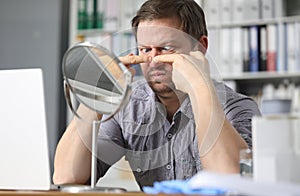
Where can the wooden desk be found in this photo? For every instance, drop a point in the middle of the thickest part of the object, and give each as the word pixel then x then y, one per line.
pixel 58 193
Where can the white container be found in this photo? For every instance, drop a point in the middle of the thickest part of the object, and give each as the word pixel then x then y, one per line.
pixel 276 148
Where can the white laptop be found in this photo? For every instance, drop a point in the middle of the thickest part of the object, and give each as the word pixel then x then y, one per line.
pixel 24 148
pixel 24 151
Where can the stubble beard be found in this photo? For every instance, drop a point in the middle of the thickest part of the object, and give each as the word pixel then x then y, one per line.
pixel 163 85
pixel 159 87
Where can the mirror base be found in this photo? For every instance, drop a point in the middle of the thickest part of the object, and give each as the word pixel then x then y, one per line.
pixel 86 188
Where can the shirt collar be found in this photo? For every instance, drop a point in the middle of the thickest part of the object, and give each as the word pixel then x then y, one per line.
pixel 186 108
pixel 146 92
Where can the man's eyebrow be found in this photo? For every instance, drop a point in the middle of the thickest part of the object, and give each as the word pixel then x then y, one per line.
pixel 167 43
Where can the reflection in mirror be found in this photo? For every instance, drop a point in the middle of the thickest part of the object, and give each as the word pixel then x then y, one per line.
pixel 96 78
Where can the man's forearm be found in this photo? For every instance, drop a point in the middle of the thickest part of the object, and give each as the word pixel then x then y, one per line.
pixel 219 142
pixel 72 162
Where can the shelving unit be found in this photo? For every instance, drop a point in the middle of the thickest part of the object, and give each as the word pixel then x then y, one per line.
pixel 123 23
pixel 262 75
pixel 285 19
pixel 122 19
pixel 251 83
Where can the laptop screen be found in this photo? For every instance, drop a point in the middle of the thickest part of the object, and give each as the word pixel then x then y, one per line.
pixel 23 134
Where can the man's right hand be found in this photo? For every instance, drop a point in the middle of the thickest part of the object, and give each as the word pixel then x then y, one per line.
pixel 73 152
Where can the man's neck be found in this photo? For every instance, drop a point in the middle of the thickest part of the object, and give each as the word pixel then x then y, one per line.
pixel 172 102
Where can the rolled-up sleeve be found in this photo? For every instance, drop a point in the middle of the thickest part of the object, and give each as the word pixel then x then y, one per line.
pixel 239 111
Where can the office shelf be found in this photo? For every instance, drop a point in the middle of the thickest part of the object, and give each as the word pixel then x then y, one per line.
pixel 261 75
pixel 286 19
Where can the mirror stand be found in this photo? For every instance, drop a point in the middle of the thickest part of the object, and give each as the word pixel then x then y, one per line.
pixel 92 187
pixel 96 125
pixel 96 78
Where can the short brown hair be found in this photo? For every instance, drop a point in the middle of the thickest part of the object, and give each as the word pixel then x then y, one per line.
pixel 188 12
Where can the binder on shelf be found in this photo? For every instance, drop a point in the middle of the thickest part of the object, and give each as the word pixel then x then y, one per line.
pixel 127 12
pixel 225 50
pixel 213 49
pixel 267 9
pixel 237 51
pixel 279 8
pixel 238 10
pixel 212 11
pixel 263 49
pixel 251 10
pixel 90 14
pixel 297 41
pixel 111 16
pixel 226 11
pixel 100 6
pixel 281 47
pixel 271 47
pixel 81 14
pixel 292 51
pixel 254 51
pixel 245 48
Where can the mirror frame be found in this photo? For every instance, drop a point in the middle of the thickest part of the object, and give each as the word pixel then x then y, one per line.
pixel 68 89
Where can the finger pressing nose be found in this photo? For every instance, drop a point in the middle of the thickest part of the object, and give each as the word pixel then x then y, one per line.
pixel 133 59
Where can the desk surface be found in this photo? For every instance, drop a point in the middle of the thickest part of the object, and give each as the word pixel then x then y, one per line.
pixel 59 193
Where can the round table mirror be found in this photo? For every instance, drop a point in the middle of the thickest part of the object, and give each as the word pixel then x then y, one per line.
pixel 95 77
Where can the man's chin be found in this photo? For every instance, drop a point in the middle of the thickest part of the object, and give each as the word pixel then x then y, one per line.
pixel 158 87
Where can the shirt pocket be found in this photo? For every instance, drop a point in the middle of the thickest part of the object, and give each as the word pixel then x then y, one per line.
pixel 148 177
pixel 136 128
pixel 186 167
pixel 143 178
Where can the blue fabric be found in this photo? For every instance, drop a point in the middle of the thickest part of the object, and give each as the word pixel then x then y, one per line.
pixel 180 187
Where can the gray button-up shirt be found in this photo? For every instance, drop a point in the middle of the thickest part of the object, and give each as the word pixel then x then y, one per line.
pixel 156 149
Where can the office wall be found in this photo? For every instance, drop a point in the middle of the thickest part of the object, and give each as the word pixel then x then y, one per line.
pixel 33 33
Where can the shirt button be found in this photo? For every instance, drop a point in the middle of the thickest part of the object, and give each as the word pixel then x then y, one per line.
pixel 138 170
pixel 169 167
pixel 169 135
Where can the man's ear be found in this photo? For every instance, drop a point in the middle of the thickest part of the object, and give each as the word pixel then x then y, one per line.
pixel 203 44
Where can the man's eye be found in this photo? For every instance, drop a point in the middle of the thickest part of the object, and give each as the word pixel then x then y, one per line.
pixel 168 49
pixel 145 50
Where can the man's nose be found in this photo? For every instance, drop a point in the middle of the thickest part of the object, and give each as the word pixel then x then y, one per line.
pixel 154 52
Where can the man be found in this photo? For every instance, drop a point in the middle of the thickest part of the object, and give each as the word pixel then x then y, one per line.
pixel 178 121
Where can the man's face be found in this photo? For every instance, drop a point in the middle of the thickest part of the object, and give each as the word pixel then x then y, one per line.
pixel 159 37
